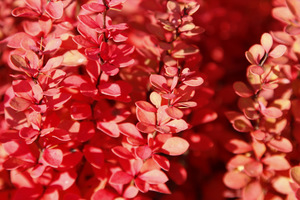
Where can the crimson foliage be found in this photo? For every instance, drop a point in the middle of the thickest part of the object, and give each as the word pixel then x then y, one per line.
pixel 116 99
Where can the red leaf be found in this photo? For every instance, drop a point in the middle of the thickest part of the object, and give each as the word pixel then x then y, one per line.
pixel 282 144
pixel 130 192
pixel 146 106
pixel 255 69
pixel 145 128
pixel 64 180
pixel 145 117
pixel 103 194
pixel 253 191
pixel 143 152
pixel 53 157
pixel 130 130
pixel 266 41
pixel 175 146
pixel 242 90
pixel 154 177
pixel 55 9
pixel 110 128
pixel 80 111
pixel 159 82
pixel 278 51
pixel 52 45
pixel 272 112
pixel 24 12
pixel 28 134
pixel 94 156
pixel 237 146
pixel 162 161
pixel 110 89
pixel 93 7
pixel 254 169
pixel 120 177
pixel 174 112
pixel 236 180
pixel 19 104
pixel 88 21
pixel 122 152
pixel 276 162
pixel 177 173
pixel 194 81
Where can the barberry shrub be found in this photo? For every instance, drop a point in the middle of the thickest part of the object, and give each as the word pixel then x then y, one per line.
pixel 138 99
pixel 96 107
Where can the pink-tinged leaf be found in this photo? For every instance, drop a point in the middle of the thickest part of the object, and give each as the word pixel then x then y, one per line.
pixel 253 191
pixel 255 69
pixel 242 89
pixel 145 128
pixel 64 180
pixel 120 177
pixel 259 148
pixel 162 116
pixel 237 146
pixel 103 194
pixel 55 9
pixel 93 7
pixel 294 6
pixel 130 130
pixel 253 169
pixel 88 21
pixel 110 128
pixel 146 106
pixel 258 52
pixel 175 146
pixel 24 12
pixel 52 46
pixel 174 112
pixel 145 117
pixel 278 51
pixel 80 111
pixel 155 99
pixel 58 100
pixel 236 180
pixel 53 63
pixel 79 39
pixel 122 152
pixel 194 81
pixel 143 152
pixel 32 28
pixel 154 177
pixel 272 112
pixel 28 134
pixel 53 157
pixel 35 5
pixel 295 174
pixel 282 145
pixel 258 134
pixel 161 188
pixel 50 193
pixel 162 161
pixel 266 41
pixel 282 184
pixel 110 89
pixel 29 193
pixel 37 170
pixel 94 156
pixel 276 162
pixel 130 192
pixel 159 82
pixel 177 125
pixel 19 104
